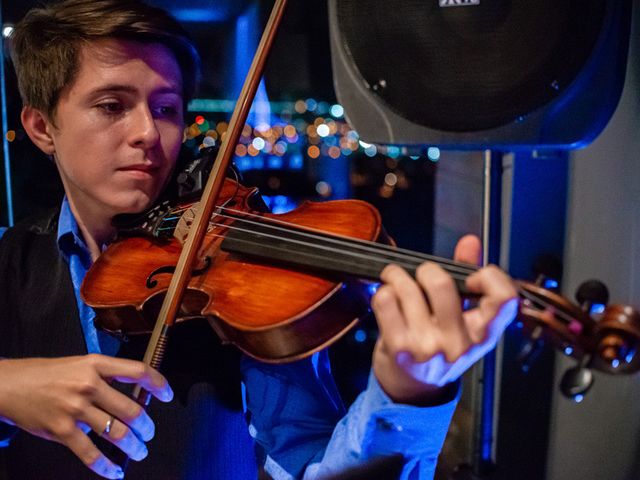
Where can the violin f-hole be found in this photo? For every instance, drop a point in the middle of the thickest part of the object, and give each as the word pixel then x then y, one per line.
pixel 151 282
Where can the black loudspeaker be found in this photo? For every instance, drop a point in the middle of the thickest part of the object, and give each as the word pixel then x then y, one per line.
pixel 477 74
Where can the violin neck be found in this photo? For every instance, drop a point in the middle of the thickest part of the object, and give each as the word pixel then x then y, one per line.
pixel 332 255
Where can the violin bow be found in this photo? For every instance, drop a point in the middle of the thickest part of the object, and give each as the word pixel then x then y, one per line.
pixel 187 260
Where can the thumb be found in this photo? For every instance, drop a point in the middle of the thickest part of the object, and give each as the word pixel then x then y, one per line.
pixel 468 250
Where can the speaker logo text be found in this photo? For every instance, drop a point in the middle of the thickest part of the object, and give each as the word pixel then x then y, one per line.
pixel 458 3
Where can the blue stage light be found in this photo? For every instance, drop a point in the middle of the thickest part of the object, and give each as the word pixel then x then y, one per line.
pixel 280 203
pixel 274 162
pixel 296 162
pixel 360 336
pixel 199 14
pixel 373 288
pixel 243 163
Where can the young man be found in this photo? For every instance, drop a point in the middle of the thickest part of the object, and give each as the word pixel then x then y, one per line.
pixel 104 84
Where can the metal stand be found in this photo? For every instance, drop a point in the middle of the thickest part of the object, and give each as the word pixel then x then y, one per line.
pixel 486 373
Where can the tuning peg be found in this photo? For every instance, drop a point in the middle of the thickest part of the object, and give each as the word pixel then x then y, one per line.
pixel 577 380
pixel 593 296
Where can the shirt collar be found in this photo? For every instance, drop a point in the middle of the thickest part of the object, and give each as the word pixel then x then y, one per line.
pixel 69 236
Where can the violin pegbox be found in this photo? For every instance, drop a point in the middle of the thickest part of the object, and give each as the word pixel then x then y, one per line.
pixel 549 318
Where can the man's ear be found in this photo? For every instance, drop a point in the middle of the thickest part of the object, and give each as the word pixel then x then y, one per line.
pixel 38 127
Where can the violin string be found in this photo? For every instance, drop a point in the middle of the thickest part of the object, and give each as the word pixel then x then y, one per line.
pixel 348 262
pixel 315 234
pixel 535 300
pixel 460 275
pixel 355 250
pixel 365 244
pixel 379 250
pixel 457 275
pixel 543 304
pixel 354 256
pixel 405 258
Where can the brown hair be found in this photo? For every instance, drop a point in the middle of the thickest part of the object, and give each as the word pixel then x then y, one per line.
pixel 45 44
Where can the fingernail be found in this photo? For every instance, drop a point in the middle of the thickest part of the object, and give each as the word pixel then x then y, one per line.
pixel 168 394
pixel 120 473
pixel 143 452
pixel 146 431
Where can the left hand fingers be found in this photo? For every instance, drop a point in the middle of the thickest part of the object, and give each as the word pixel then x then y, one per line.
pixel 404 316
pixel 445 303
pixel 496 308
pixel 391 321
pixel 411 299
pixel 431 312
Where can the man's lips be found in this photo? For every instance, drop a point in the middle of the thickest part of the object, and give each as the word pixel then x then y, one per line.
pixel 140 168
pixel 140 171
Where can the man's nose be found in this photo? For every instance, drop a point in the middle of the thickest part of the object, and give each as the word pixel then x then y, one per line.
pixel 144 131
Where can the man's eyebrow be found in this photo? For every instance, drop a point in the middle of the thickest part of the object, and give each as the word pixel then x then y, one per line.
pixel 114 88
pixel 132 89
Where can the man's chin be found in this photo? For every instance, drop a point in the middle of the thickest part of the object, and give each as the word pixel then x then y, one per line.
pixel 134 205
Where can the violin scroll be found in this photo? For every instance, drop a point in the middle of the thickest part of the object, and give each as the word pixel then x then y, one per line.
pixel 600 337
pixel 617 338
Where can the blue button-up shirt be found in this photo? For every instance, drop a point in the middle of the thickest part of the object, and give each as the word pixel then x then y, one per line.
pixel 295 411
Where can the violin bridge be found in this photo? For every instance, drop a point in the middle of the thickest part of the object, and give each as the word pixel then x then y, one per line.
pixel 184 224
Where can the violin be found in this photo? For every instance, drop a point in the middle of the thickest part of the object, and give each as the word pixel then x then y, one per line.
pixel 282 286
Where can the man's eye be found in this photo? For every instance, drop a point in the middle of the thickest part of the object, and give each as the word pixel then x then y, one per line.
pixel 111 107
pixel 167 110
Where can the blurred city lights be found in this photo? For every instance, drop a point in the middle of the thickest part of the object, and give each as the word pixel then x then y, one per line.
pixel 433 153
pixel 306 130
pixel 336 111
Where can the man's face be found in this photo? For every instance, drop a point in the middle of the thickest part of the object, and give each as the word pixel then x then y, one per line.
pixel 118 127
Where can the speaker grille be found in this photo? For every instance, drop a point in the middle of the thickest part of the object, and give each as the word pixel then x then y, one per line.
pixel 468 68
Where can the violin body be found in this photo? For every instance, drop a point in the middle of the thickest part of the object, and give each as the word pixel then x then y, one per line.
pixel 268 310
